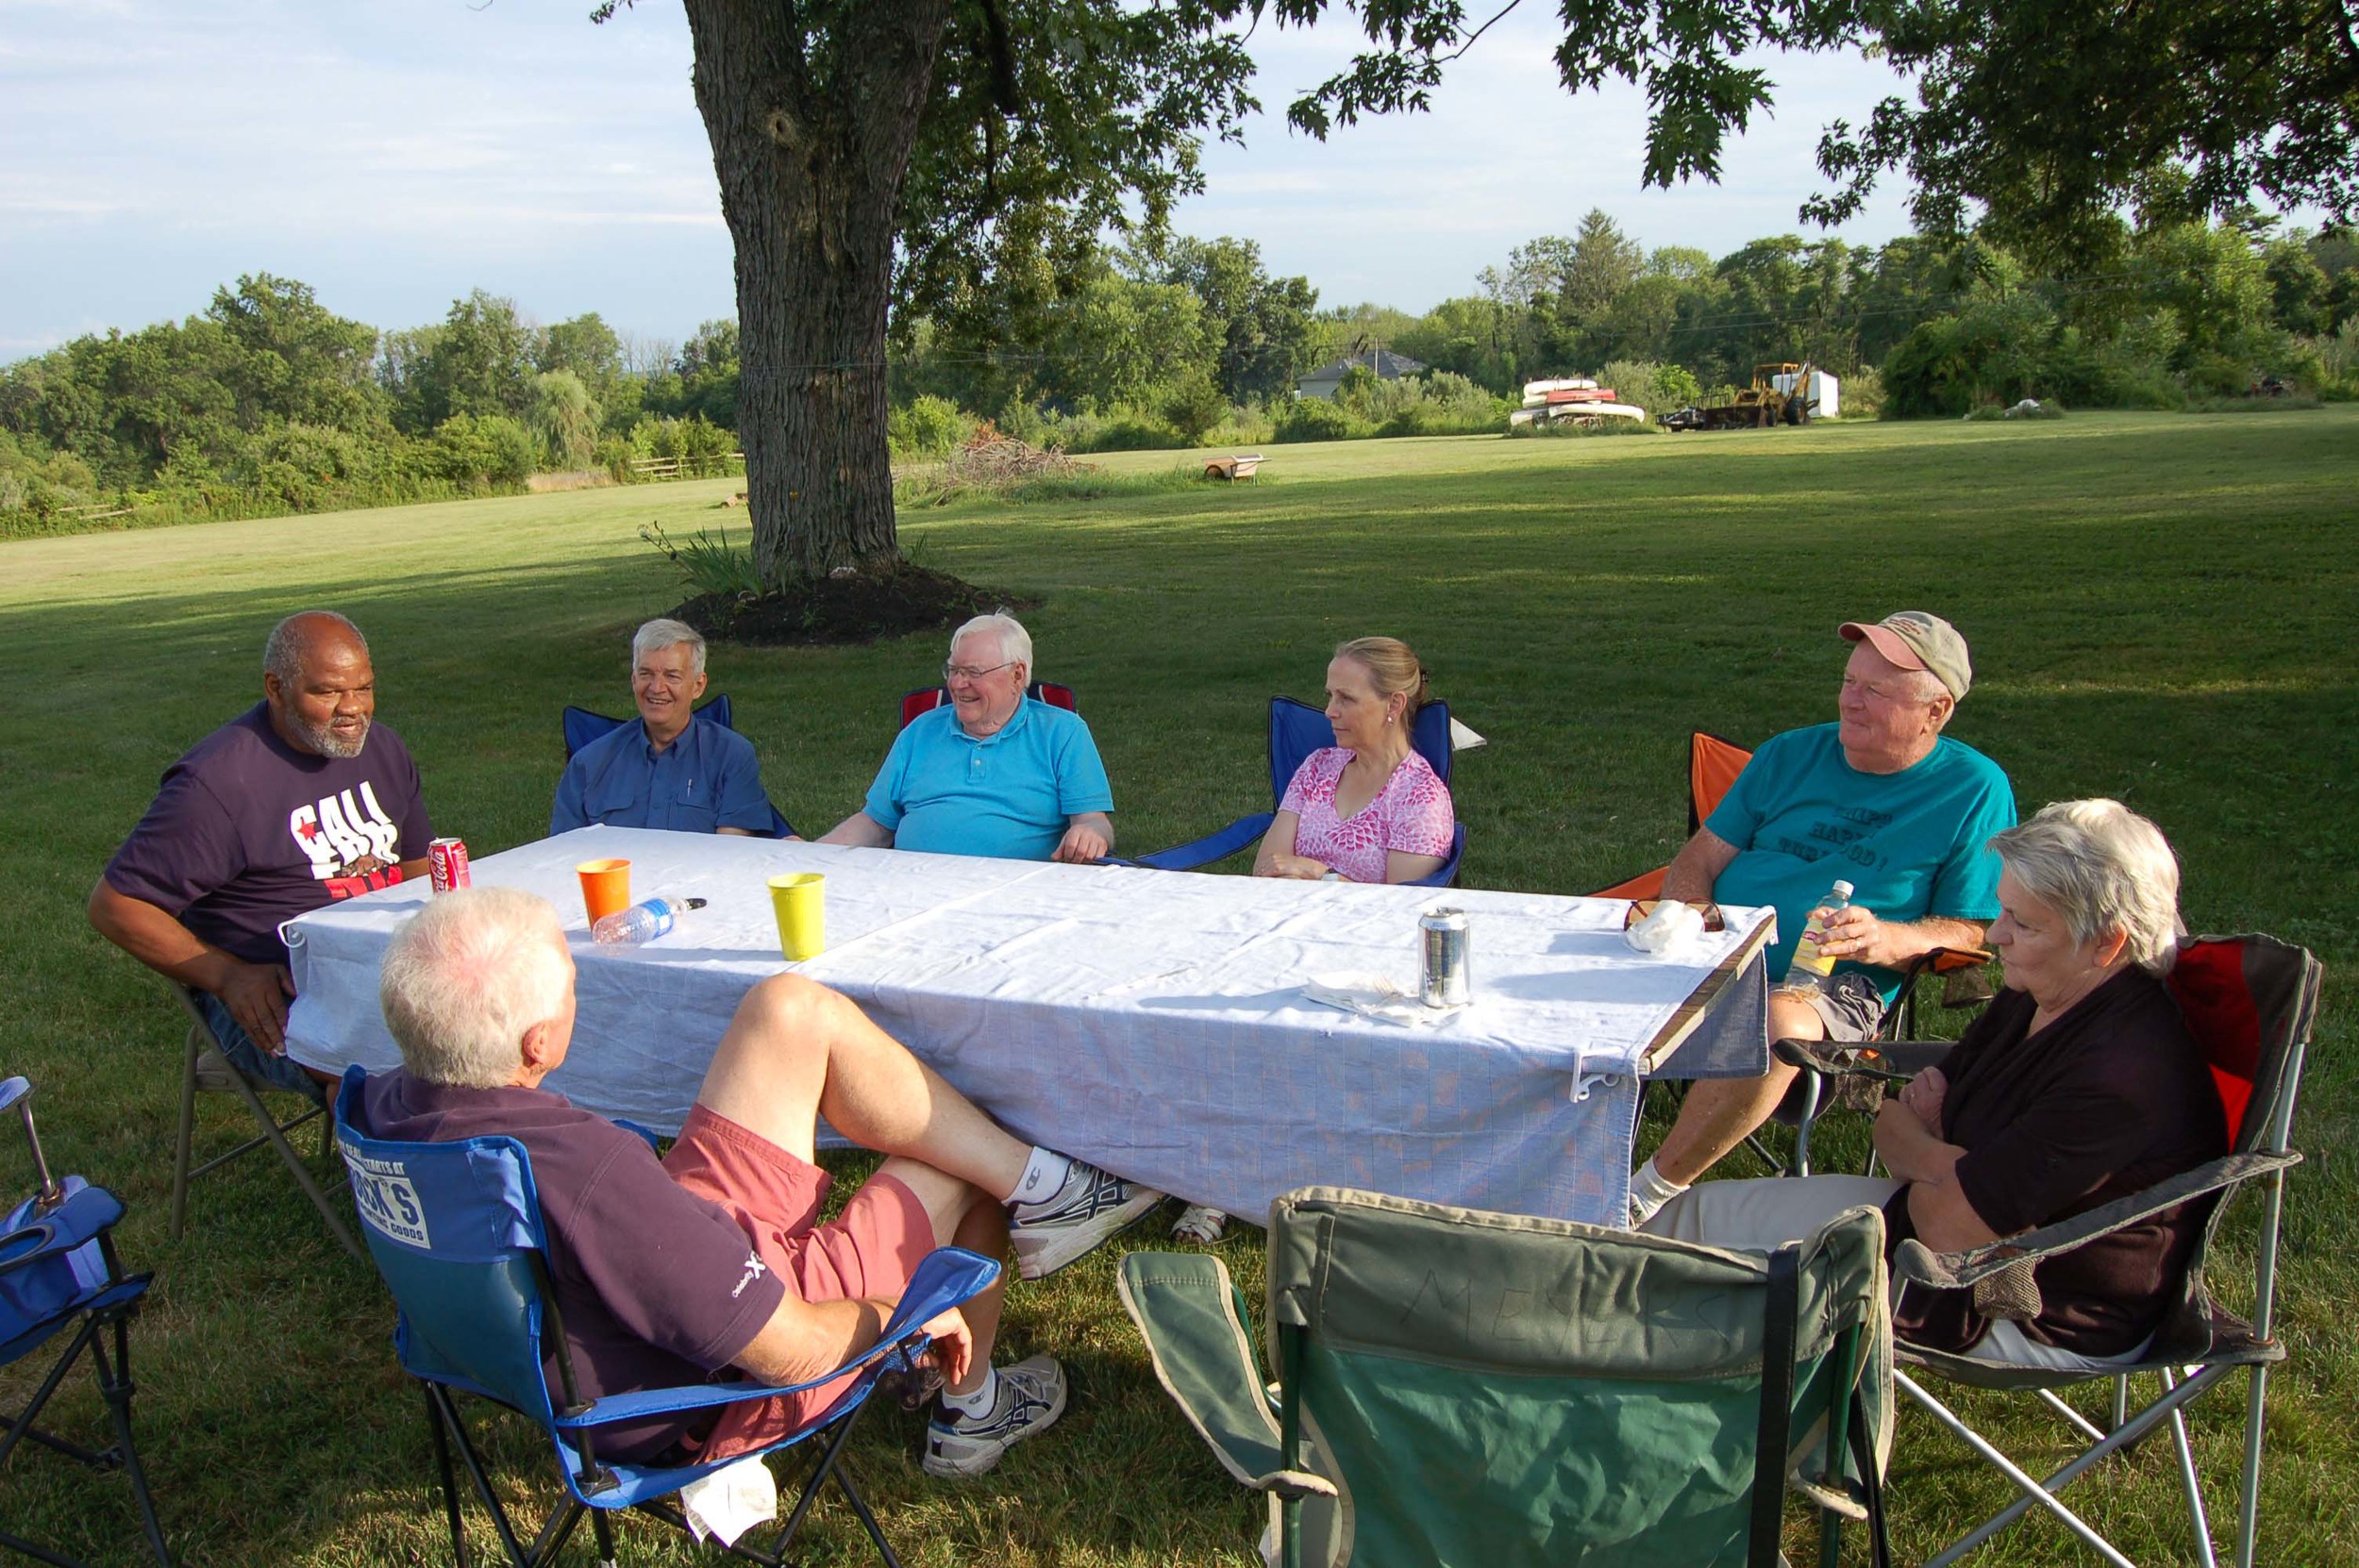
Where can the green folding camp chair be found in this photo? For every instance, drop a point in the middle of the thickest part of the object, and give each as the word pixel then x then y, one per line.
pixel 1461 1387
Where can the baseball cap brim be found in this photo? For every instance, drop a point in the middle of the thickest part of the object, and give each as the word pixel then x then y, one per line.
pixel 1885 641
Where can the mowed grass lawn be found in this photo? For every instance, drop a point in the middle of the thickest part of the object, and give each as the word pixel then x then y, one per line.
pixel 2161 609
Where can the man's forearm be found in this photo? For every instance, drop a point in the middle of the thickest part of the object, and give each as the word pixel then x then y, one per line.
pixel 159 940
pixel 1920 937
pixel 1693 871
pixel 807 1339
pixel 859 830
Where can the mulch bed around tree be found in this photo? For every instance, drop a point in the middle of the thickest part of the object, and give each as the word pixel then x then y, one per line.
pixel 856 609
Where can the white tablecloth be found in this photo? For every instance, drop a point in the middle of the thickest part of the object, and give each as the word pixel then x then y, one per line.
pixel 1150 1020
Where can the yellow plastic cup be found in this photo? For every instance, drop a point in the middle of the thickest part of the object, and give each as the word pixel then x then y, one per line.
pixel 605 887
pixel 799 901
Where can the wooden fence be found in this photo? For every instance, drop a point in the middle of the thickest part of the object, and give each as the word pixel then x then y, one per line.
pixel 686 468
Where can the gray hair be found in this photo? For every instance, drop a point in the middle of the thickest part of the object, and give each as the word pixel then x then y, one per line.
pixel 464 980
pixel 2103 868
pixel 282 656
pixel 1015 642
pixel 664 632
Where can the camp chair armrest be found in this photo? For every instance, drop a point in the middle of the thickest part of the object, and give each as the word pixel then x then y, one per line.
pixel 1895 1061
pixel 1920 1264
pixel 1942 960
pixel 1238 835
pixel 70 1225
pixel 645 1403
pixel 1186 1309
pixel 947 1278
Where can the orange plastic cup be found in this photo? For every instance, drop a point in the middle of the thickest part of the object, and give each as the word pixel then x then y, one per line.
pixel 605 887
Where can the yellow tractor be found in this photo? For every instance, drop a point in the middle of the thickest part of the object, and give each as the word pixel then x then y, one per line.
pixel 1780 395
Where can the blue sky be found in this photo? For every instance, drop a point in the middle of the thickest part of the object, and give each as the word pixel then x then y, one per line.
pixel 394 156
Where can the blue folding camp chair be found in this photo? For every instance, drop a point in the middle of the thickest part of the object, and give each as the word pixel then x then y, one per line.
pixel 58 1272
pixel 583 726
pixel 456 1231
pixel 1295 730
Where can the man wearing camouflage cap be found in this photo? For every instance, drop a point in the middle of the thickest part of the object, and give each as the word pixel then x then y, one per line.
pixel 1880 799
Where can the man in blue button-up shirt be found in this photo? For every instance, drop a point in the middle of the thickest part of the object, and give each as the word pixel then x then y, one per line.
pixel 993 771
pixel 670 769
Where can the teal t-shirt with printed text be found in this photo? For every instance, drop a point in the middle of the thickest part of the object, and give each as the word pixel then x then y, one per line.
pixel 1911 843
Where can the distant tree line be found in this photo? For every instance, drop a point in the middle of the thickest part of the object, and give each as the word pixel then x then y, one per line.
pixel 268 402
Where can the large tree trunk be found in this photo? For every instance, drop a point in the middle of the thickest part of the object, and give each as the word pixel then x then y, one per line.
pixel 812 128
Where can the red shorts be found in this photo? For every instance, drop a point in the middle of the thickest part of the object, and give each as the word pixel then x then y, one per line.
pixel 871 1249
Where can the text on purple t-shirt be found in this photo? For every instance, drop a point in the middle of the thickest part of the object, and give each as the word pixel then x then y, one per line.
pixel 247 833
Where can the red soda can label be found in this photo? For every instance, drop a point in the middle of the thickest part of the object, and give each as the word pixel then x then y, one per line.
pixel 446 860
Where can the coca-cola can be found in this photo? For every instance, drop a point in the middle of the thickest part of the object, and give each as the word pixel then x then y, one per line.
pixel 446 860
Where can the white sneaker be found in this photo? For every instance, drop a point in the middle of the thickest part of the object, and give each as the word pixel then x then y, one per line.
pixel 1074 1220
pixel 1030 1397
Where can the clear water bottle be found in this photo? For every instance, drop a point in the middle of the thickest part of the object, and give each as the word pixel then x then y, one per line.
pixel 644 922
pixel 1810 966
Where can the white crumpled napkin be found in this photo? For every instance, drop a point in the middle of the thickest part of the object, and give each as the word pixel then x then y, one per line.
pixel 1667 930
pixel 1373 996
pixel 731 1501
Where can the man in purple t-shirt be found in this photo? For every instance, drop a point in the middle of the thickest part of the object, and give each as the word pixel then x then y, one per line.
pixel 666 1272
pixel 298 802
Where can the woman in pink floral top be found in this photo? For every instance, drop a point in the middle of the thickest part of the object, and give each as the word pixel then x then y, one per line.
pixel 1368 806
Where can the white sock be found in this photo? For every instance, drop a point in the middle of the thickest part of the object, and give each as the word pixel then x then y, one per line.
pixel 1649 1190
pixel 1043 1173
pixel 978 1403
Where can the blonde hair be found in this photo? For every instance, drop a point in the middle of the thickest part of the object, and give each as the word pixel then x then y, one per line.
pixel 1391 666
pixel 2102 868
pixel 466 977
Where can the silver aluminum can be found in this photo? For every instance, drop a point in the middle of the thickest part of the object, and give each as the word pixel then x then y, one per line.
pixel 1442 939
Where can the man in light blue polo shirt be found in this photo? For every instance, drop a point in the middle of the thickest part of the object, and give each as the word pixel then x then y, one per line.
pixel 993 771
pixel 669 768
pixel 1880 800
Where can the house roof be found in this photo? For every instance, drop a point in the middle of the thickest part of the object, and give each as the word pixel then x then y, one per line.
pixel 1388 365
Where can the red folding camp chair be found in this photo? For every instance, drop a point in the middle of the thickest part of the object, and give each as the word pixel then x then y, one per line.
pixel 927 698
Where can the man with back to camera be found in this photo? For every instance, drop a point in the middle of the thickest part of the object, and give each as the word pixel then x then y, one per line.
pixel 993 771
pixel 300 801
pixel 667 1271
pixel 668 768
pixel 1880 800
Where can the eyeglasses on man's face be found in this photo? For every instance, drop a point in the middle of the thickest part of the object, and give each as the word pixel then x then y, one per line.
pixel 971 672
